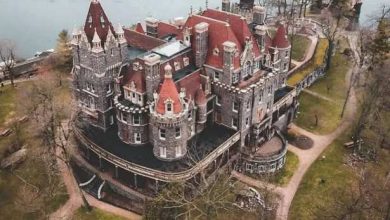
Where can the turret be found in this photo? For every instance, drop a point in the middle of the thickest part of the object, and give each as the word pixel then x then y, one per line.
pixel 122 42
pixel 229 48
pixel 201 114
pixel 96 43
pixel 201 43
pixel 168 121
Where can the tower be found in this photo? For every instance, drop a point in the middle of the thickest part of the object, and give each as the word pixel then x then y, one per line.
pixel 168 122
pixel 98 53
pixel 260 33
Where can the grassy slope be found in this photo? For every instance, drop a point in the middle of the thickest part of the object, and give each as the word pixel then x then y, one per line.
pixel 328 112
pixel 323 178
pixel 32 170
pixel 300 45
pixel 284 176
pixel 316 61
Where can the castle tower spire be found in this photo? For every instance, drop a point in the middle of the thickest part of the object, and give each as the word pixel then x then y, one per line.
pixel 97 20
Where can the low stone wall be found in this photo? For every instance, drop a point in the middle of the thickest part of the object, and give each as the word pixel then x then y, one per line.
pixel 311 78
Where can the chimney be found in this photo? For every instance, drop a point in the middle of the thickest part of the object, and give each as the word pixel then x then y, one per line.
pixel 151 27
pixel 259 14
pixel 201 43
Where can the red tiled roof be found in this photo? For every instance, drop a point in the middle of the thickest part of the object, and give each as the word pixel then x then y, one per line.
pixel 138 78
pixel 168 91
pixel 141 41
pixel 219 32
pixel 280 40
pixel 139 28
pixel 164 29
pixel 239 26
pixel 191 83
pixel 96 14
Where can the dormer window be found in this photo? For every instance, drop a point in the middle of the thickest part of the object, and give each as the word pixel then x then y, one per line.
pixel 102 20
pixel 216 52
pixel 216 76
pixel 186 61
pixel 90 19
pixel 177 66
pixel 169 106
pixel 136 66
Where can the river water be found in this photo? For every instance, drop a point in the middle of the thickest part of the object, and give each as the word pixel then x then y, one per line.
pixel 34 24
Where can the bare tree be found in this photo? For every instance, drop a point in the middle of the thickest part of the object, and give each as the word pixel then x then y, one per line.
pixel 53 119
pixel 7 57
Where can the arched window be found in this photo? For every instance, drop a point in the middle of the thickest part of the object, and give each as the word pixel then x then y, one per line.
pixel 169 106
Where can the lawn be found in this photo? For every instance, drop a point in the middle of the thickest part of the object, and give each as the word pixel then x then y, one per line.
pixel 95 214
pixel 328 114
pixel 299 46
pixel 283 177
pixel 332 85
pixel 327 175
pixel 312 65
pixel 25 190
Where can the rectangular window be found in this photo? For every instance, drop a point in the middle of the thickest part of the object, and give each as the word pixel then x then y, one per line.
pixel 163 151
pixel 189 115
pixel 216 76
pixel 218 100
pixel 285 67
pixel 133 95
pixel 137 138
pixel 162 134
pixel 234 78
pixel 177 66
pixel 261 96
pixel 109 88
pixel 169 107
pixel 234 123
pixel 248 105
pixel 247 122
pixel 136 120
pixel 124 117
pixel 235 106
pixel 186 61
pixel 178 133
pixel 286 54
pixel 178 151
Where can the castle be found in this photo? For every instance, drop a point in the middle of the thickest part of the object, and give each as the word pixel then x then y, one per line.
pixel 166 102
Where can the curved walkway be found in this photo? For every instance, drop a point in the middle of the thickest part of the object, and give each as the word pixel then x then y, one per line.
pixel 307 157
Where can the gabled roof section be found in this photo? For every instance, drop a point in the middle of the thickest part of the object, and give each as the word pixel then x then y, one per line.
pixel 219 32
pixel 238 25
pixel 139 28
pixel 141 41
pixel 280 40
pixel 137 77
pixel 164 29
pixel 97 20
pixel 191 84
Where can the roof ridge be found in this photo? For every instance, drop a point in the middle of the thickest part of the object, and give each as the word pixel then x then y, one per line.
pixel 144 35
pixel 212 19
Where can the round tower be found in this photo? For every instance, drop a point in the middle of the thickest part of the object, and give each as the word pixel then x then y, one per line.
pixel 168 121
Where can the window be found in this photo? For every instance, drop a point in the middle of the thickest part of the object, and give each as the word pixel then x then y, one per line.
pixel 177 66
pixel 111 120
pixel 124 116
pixel 248 105
pixel 136 120
pixel 261 96
pixel 247 70
pixel 234 123
pixel 140 98
pixel 189 115
pixel 178 151
pixel 137 138
pixel 216 52
pixel 133 94
pixel 285 67
pixel 216 76
pixel 218 100
pixel 234 78
pixel 286 54
pixel 247 122
pixel 163 151
pixel 235 106
pixel 186 61
pixel 162 134
pixel 112 51
pixel 109 88
pixel 90 19
pixel 178 133
pixel 169 107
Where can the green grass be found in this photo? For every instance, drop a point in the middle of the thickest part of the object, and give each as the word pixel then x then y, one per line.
pixel 7 106
pixel 313 64
pixel 332 85
pixel 328 114
pixel 95 214
pixel 284 176
pixel 326 176
pixel 299 47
